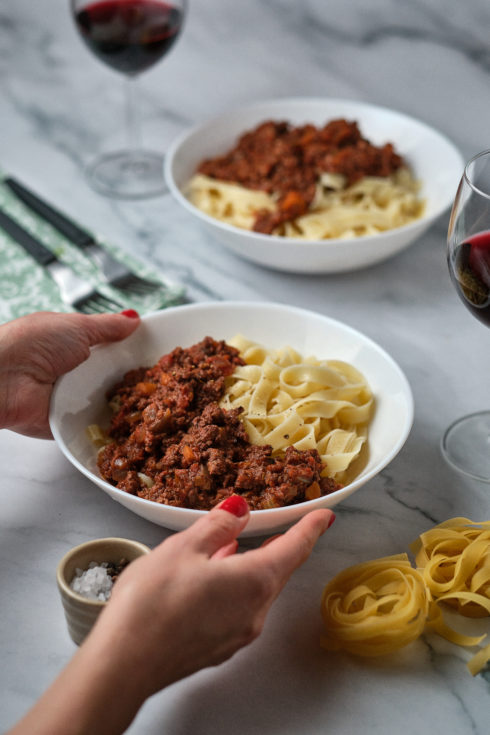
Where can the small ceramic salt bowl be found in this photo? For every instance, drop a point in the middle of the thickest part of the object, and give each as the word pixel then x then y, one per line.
pixel 81 612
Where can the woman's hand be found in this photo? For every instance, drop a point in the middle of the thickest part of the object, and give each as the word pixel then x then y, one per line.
pixel 37 349
pixel 191 603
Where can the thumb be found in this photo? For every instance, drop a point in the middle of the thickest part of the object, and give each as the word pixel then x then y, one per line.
pixel 111 327
pixel 220 526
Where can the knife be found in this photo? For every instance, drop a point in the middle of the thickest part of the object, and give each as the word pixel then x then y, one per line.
pixel 116 273
pixel 34 247
pixel 69 229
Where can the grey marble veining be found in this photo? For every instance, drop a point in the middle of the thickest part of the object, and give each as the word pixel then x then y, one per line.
pixel 58 107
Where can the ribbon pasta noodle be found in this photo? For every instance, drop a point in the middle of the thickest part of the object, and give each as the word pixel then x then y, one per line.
pixel 231 203
pixel 379 606
pixel 454 559
pixel 367 207
pixel 288 400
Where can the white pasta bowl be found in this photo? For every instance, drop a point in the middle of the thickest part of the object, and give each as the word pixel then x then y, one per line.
pixel 434 160
pixel 79 396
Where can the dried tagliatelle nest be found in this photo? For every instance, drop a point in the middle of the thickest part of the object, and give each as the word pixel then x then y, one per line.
pixel 374 608
pixel 377 607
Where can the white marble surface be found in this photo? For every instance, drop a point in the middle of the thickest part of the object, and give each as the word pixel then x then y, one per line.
pixel 427 58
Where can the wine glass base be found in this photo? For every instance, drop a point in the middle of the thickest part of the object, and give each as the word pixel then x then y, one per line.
pixel 128 174
pixel 466 445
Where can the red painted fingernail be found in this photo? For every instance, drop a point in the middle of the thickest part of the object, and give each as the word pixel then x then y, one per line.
pixel 332 518
pixel 131 313
pixel 235 504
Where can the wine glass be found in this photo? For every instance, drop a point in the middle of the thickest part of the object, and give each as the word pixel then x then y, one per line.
pixel 129 36
pixel 466 443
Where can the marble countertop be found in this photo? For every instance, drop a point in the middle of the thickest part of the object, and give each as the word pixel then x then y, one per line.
pixel 58 107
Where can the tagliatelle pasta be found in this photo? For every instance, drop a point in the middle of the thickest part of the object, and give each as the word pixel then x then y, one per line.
pixel 379 606
pixel 290 400
pixel 479 660
pixel 454 559
pixel 374 608
pixel 230 203
pixel 370 206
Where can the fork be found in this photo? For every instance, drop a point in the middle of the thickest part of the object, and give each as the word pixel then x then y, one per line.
pixel 75 291
pixel 78 293
pixel 115 273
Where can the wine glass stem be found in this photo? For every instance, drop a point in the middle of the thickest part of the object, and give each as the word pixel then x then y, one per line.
pixel 133 125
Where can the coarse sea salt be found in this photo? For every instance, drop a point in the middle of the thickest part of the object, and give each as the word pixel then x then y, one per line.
pixel 94 583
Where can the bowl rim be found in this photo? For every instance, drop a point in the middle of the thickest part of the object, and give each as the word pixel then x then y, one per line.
pixel 177 144
pixel 193 513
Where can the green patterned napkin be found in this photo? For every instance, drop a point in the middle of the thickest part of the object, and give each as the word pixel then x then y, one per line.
pixel 26 287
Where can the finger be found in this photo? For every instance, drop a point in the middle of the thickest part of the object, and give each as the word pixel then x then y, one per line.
pixel 227 550
pixel 287 552
pixel 220 527
pixel 270 539
pixel 110 327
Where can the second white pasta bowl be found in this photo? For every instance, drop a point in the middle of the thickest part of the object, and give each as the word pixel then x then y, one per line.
pixel 434 161
pixel 79 397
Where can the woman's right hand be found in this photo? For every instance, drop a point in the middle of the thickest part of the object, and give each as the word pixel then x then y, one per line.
pixel 190 603
pixel 193 603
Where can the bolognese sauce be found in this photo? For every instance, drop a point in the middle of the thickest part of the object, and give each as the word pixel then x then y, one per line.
pixel 286 161
pixel 172 443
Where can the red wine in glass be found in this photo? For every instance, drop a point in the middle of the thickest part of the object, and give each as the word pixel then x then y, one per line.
pixel 470 273
pixel 129 36
pixel 466 443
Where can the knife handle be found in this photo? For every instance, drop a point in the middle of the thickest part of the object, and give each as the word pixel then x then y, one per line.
pixel 61 223
pixel 34 247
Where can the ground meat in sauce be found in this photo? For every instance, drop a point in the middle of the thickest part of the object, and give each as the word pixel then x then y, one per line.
pixel 287 161
pixel 169 427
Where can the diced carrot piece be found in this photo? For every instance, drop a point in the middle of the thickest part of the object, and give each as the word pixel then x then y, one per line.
pixel 188 454
pixel 146 388
pixel 313 491
pixel 292 200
